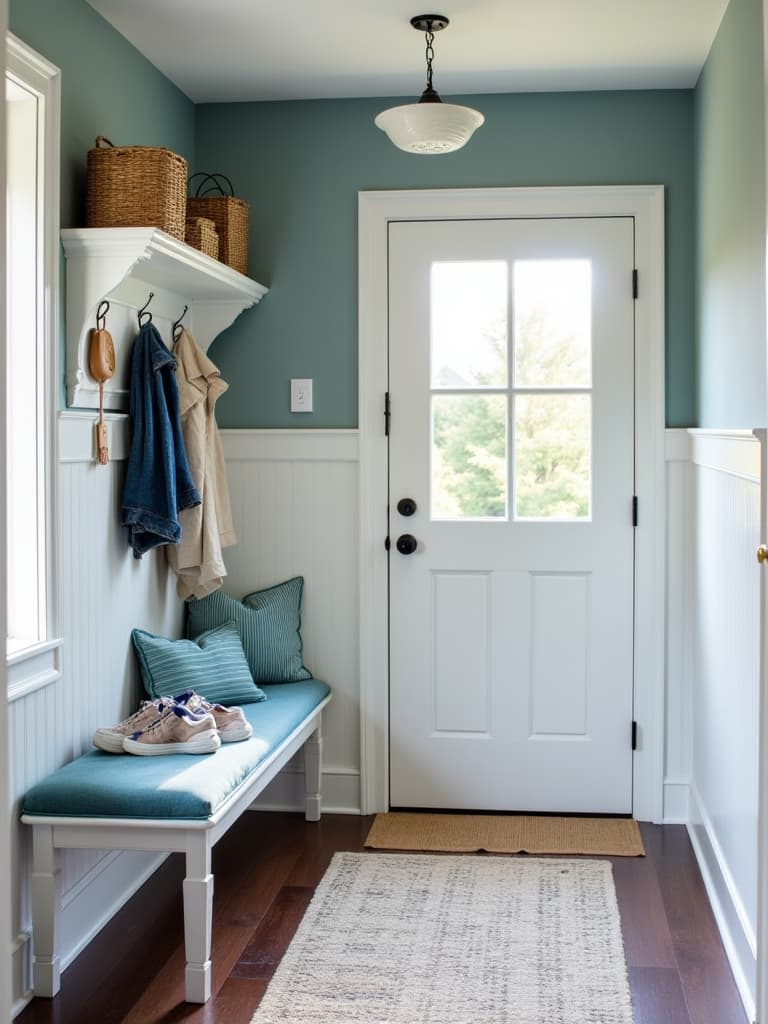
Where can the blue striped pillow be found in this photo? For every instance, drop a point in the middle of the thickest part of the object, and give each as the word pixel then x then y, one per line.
pixel 212 665
pixel 268 622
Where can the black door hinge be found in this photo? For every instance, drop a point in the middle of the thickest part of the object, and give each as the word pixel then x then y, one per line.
pixel 386 414
pixel 634 284
pixel 634 735
pixel 634 510
pixel 387 545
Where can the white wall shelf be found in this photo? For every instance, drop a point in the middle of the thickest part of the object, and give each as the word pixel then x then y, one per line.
pixel 124 265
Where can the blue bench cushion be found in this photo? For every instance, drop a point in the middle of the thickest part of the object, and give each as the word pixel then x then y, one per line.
pixel 185 786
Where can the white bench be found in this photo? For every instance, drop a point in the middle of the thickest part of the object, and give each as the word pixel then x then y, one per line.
pixel 172 803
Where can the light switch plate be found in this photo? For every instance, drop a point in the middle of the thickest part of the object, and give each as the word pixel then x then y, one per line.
pixel 301 394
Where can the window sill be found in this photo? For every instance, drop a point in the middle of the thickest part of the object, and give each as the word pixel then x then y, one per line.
pixel 33 668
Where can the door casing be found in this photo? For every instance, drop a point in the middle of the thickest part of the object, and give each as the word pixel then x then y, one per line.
pixel 645 203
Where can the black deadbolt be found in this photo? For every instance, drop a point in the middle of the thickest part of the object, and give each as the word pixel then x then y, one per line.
pixel 406 544
pixel 406 506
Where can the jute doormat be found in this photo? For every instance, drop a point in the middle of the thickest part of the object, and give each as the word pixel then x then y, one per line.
pixel 467 833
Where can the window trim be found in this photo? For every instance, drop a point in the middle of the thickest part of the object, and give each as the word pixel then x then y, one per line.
pixel 38 665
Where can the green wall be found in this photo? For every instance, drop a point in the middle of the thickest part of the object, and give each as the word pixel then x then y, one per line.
pixel 301 165
pixel 107 88
pixel 730 224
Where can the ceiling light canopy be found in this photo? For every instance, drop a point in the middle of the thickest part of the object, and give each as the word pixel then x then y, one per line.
pixel 429 126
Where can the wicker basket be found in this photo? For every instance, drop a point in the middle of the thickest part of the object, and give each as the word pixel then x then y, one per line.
pixel 136 186
pixel 202 234
pixel 230 215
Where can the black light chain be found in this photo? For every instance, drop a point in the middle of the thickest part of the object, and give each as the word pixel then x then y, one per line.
pixel 430 54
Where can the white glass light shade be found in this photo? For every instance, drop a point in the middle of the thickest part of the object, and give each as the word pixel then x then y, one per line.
pixel 429 127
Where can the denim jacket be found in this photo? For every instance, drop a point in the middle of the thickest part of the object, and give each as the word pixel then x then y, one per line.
pixel 158 482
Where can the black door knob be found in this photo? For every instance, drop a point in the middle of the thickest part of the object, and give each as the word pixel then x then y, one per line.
pixel 406 506
pixel 406 544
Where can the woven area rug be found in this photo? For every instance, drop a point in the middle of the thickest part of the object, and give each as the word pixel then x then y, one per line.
pixel 425 939
pixel 507 833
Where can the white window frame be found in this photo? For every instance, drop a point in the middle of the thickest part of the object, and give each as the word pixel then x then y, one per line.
pixel 38 664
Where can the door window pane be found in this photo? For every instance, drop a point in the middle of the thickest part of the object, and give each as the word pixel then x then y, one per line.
pixel 552 456
pixel 469 324
pixel 552 302
pixel 469 457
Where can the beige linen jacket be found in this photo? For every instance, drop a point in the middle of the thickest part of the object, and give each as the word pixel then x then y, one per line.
pixel 207 528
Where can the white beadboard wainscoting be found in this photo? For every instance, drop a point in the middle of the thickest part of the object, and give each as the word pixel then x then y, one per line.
pixel 677 710
pixel 713 602
pixel 295 506
pixel 295 497
pixel 103 593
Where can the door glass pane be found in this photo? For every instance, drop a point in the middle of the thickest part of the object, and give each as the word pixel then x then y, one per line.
pixel 553 456
pixel 469 324
pixel 469 457
pixel 553 323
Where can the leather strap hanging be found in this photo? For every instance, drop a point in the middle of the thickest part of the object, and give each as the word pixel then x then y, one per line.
pixel 101 365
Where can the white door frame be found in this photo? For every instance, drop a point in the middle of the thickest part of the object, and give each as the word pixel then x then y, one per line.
pixel 5 787
pixel 761 1008
pixel 761 994
pixel 375 211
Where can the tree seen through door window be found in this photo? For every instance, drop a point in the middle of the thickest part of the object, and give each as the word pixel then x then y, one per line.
pixel 548 412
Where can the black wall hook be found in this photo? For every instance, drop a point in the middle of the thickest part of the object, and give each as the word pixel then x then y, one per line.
pixel 176 329
pixel 143 311
pixel 101 315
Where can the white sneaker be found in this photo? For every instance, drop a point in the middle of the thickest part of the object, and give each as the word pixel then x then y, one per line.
pixel 178 731
pixel 232 724
pixel 110 738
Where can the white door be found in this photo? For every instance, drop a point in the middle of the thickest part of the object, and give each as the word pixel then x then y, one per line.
pixel 511 361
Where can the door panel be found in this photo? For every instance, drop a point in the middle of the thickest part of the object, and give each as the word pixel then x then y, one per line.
pixel 512 397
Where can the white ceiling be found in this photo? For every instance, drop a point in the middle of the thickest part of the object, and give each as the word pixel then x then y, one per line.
pixel 236 50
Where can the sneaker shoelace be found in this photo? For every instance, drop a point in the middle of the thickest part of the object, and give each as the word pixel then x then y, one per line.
pixel 160 704
pixel 174 709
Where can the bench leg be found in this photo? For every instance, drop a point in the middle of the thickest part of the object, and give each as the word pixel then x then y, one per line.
pixel 46 875
pixel 313 750
pixel 198 922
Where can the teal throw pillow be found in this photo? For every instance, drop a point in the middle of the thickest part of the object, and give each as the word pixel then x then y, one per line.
pixel 268 621
pixel 212 665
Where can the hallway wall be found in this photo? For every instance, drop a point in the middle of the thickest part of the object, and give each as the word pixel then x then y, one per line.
pixel 712 674
pixel 729 120
pixel 104 593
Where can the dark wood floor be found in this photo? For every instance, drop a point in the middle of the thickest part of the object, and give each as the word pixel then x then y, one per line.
pixel 266 869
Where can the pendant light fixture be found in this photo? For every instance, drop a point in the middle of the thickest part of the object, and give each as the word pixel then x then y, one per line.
pixel 429 126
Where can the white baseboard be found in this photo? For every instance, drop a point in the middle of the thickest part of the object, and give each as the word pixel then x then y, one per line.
pixel 676 802
pixel 735 930
pixel 21 971
pixel 21 1004
pixel 340 788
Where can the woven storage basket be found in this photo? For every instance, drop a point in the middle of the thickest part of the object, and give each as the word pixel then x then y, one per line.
pixel 202 234
pixel 230 215
pixel 136 186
